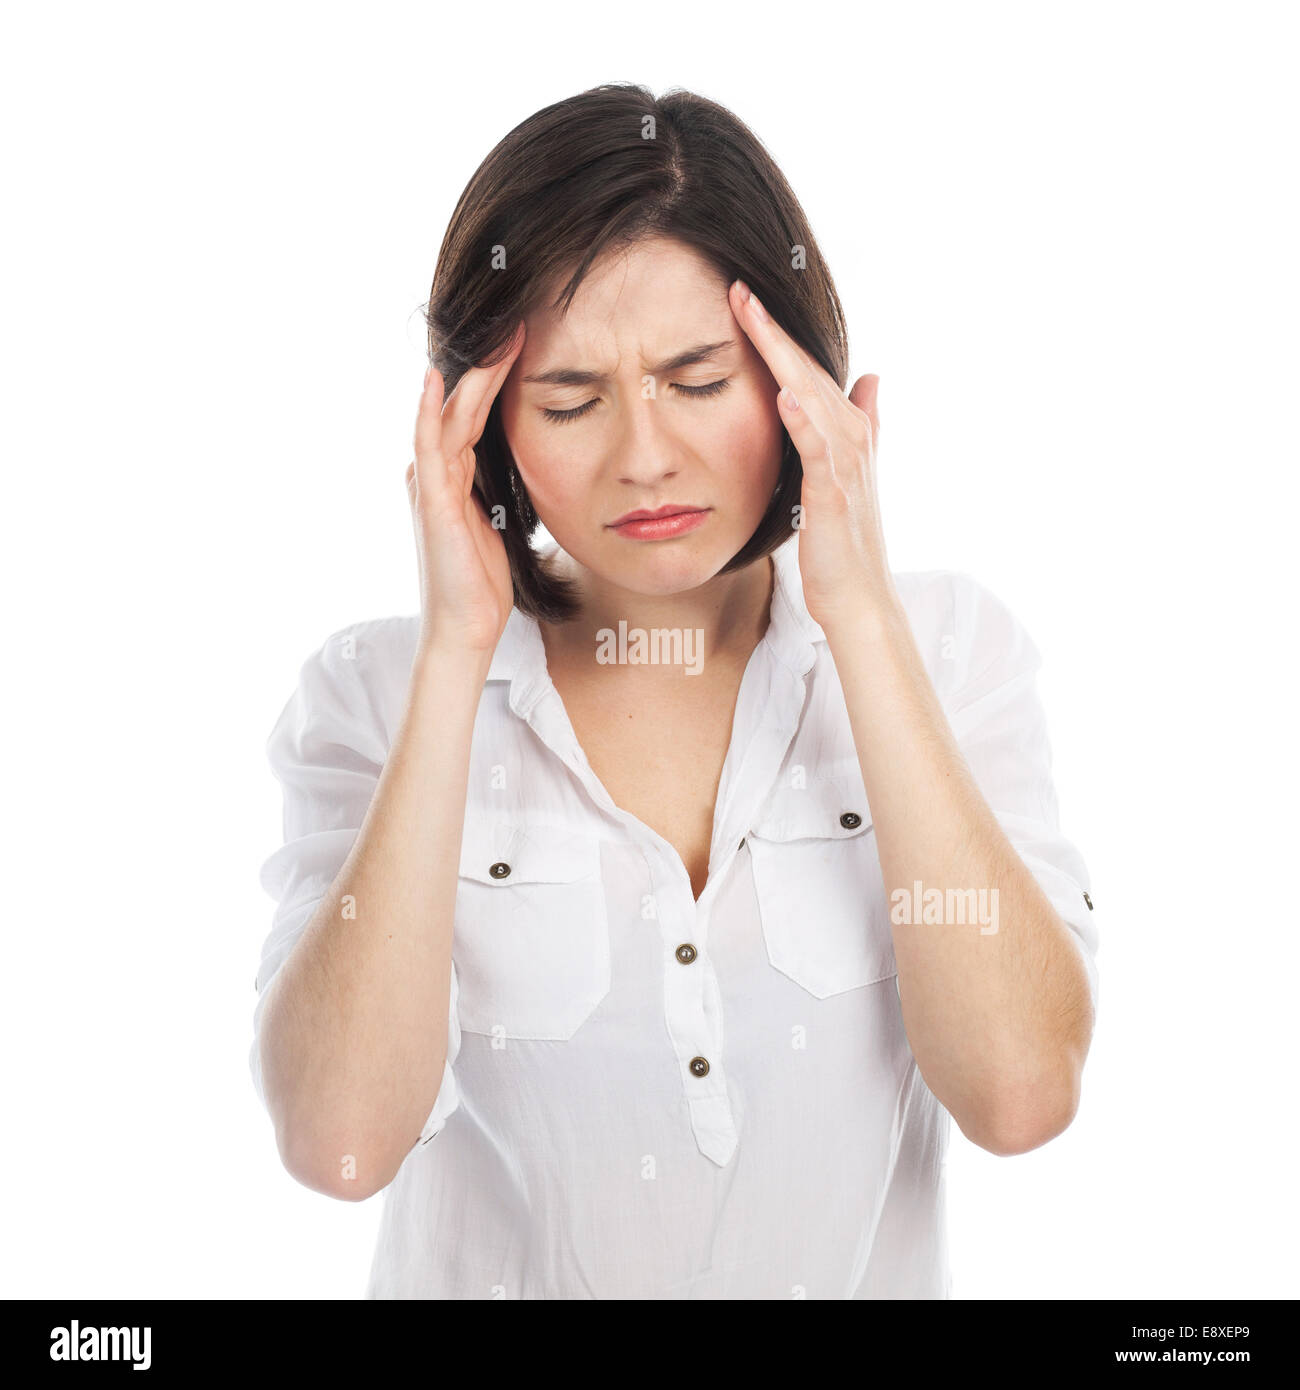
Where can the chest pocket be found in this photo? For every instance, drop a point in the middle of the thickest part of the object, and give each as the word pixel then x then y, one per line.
pixel 821 895
pixel 531 940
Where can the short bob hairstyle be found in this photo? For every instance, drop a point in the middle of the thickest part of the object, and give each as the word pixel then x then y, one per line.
pixel 597 173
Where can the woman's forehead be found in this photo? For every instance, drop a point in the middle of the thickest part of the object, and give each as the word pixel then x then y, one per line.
pixel 649 304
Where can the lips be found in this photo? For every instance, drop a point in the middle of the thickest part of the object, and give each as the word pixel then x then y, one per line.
pixel 672 509
pixel 662 524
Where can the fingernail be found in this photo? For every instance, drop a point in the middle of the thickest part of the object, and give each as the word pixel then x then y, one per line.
pixel 790 401
pixel 756 304
pixel 743 288
pixel 427 375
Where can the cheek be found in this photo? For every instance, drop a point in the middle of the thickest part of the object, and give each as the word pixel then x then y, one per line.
pixel 753 440
pixel 523 439
pixel 554 475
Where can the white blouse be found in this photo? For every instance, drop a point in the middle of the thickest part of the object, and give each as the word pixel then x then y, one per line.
pixel 647 1096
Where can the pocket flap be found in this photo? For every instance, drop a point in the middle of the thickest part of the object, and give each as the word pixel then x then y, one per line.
pixel 820 892
pixel 500 853
pixel 826 809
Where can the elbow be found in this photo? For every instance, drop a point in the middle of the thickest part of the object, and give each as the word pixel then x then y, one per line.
pixel 337 1146
pixel 1028 1120
pixel 1025 1113
pixel 345 1176
pixel 337 1157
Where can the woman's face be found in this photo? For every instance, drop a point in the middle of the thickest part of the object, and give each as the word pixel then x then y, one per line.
pixel 647 396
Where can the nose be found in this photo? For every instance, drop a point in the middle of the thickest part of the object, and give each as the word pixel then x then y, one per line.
pixel 647 453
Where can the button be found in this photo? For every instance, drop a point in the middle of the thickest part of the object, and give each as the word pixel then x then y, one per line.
pixel 500 871
pixel 699 1066
pixel 850 820
pixel 686 953
pixel 1088 900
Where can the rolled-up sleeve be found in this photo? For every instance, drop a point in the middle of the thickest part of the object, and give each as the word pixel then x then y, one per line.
pixel 998 719
pixel 327 751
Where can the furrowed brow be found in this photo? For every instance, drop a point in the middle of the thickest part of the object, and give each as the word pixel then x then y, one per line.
pixel 703 353
pixel 572 376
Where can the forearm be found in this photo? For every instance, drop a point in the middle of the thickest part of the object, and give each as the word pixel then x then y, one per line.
pixel 999 1019
pixel 354 1033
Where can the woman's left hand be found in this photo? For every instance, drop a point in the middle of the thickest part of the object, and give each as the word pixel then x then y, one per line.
pixel 842 548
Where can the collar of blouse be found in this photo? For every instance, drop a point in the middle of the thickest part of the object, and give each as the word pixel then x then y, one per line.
pixel 792 636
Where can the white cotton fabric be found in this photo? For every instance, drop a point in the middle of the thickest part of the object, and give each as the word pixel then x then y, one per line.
pixel 572 1151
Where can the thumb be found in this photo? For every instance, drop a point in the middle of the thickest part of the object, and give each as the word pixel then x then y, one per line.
pixel 863 396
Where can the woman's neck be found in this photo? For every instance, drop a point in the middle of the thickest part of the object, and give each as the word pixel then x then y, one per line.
pixel 726 617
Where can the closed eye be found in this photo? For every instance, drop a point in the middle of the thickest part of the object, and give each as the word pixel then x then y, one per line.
pixel 713 388
pixel 569 414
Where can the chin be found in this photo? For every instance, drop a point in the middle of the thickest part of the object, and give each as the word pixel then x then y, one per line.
pixel 660 568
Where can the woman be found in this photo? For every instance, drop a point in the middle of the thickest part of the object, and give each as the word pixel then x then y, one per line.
pixel 682 877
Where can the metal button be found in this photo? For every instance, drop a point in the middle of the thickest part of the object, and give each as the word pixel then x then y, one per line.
pixel 700 1066
pixel 686 953
pixel 500 871
pixel 850 820
pixel 1088 900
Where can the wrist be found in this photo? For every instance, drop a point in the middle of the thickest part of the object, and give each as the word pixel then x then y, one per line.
pixel 451 665
pixel 871 614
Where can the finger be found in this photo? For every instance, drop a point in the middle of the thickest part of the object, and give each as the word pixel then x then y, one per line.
pixel 816 451
pixel 467 410
pixel 863 396
pixel 814 387
pixel 787 362
pixel 502 371
pixel 429 468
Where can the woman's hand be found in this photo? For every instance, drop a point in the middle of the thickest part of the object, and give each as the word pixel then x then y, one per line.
pixel 465 589
pixel 842 549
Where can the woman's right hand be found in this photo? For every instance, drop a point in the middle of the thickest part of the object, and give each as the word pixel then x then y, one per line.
pixel 465 589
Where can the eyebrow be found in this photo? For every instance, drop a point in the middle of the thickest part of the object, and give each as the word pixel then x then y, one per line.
pixel 572 376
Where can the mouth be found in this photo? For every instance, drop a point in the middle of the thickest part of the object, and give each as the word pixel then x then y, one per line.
pixel 663 523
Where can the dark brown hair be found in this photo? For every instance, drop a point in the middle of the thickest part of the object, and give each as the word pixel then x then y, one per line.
pixel 596 173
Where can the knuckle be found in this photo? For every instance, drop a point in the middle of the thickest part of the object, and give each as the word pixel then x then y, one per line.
pixel 820 457
pixel 811 372
pixel 859 431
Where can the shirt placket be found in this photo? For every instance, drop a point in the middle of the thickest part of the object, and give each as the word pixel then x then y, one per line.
pixel 768 709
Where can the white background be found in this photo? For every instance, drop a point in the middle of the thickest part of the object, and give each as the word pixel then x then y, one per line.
pixel 1065 238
